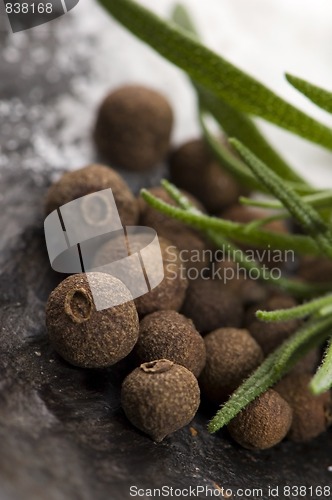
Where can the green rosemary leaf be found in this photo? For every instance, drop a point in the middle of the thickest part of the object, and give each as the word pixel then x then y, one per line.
pixel 233 122
pixel 238 168
pixel 319 96
pixel 266 220
pixel 305 214
pixel 237 124
pixel 214 73
pixel 319 199
pixel 236 231
pixel 228 160
pixel 294 287
pixel 301 311
pixel 181 17
pixel 325 311
pixel 322 380
pixel 272 370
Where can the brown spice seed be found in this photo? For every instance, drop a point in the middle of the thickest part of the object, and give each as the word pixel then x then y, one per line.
pixel 263 423
pixel 211 305
pixel 160 401
pixel 90 179
pixel 133 127
pixel 183 237
pixel 170 293
pixel 168 334
pixel 311 414
pixel 86 337
pixel 193 168
pixel 231 355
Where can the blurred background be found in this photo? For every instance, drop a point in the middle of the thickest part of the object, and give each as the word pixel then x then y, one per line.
pixel 55 75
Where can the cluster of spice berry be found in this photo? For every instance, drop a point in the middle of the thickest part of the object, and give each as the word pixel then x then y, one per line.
pixel 188 338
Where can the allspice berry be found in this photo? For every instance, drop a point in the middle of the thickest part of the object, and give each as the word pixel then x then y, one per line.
pixel 170 335
pixel 211 305
pixel 311 414
pixel 190 243
pixel 263 423
pixel 171 292
pixel 194 169
pixel 315 269
pixel 231 355
pixel 133 127
pixel 84 336
pixel 246 214
pixel 90 179
pixel 160 397
pixel 270 335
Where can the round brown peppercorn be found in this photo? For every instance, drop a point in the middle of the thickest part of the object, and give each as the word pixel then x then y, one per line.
pixel 193 168
pixel 315 269
pixel 90 179
pixel 188 241
pixel 270 335
pixel 170 293
pixel 245 215
pixel 84 336
pixel 133 127
pixel 211 305
pixel 263 423
pixel 160 397
pixel 311 414
pixel 231 355
pixel 231 274
pixel 308 363
pixel 170 335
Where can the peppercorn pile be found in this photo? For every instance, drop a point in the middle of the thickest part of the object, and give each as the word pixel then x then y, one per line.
pixel 194 336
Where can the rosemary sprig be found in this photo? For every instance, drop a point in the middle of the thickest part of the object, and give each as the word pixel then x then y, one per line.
pixel 272 370
pixel 319 96
pixel 305 214
pixel 237 124
pixel 297 312
pixel 303 245
pixel 228 160
pixel 322 380
pixel 292 286
pixel 216 74
pixel 318 200
pixel 233 122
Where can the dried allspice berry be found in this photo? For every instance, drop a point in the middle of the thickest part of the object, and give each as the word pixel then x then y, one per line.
pixel 160 397
pixel 270 335
pixel 84 336
pixel 170 335
pixel 170 293
pixel 263 423
pixel 133 127
pixel 191 245
pixel 211 305
pixel 231 355
pixel 311 414
pixel 90 179
pixel 246 214
pixel 193 168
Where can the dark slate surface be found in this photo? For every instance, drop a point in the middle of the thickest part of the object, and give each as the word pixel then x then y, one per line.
pixel 62 432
